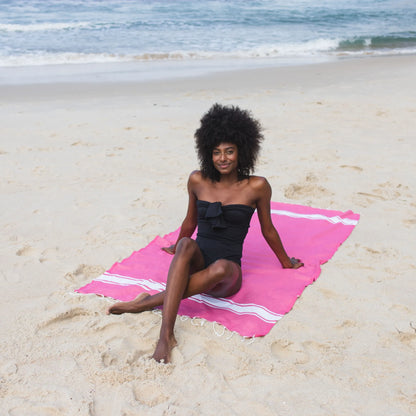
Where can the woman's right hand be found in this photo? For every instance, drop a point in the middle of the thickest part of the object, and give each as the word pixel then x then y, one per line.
pixel 170 249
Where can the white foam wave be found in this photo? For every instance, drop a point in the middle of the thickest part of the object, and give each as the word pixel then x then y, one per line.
pixel 35 59
pixel 41 27
pixel 321 48
pixel 314 47
pixel 375 52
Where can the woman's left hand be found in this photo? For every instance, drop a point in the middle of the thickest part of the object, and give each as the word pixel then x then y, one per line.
pixel 296 263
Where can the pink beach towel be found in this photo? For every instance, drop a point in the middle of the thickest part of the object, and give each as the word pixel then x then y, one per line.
pixel 268 291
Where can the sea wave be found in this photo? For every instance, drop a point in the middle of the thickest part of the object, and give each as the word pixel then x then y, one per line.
pixel 311 48
pixel 317 48
pixel 392 42
pixel 42 27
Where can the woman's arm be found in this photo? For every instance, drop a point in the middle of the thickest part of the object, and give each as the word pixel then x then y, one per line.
pixel 189 223
pixel 270 234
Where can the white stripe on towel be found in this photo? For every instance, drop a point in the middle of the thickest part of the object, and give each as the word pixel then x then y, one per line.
pixel 333 220
pixel 258 311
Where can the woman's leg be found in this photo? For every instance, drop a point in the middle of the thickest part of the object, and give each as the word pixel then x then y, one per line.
pixel 177 287
pixel 188 257
pixel 222 278
pixel 199 282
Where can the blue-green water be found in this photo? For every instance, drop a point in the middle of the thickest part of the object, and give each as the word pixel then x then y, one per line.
pixel 68 31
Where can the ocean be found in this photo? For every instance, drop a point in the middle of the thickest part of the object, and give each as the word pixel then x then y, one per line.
pixel 158 38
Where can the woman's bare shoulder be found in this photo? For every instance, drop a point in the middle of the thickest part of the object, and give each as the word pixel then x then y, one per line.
pixel 195 176
pixel 196 180
pixel 259 182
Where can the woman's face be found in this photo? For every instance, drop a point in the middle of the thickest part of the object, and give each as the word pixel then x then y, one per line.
pixel 225 158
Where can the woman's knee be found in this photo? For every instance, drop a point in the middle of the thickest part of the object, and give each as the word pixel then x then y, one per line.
pixel 225 277
pixel 221 269
pixel 186 245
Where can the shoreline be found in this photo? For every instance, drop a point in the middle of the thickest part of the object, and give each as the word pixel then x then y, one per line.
pixel 142 71
pixel 282 77
pixel 153 73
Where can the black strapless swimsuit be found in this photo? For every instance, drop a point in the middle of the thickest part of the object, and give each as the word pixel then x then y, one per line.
pixel 222 230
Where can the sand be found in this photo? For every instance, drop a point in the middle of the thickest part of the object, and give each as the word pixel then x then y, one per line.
pixel 92 171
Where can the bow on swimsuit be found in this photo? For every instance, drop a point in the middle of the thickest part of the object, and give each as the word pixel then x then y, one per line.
pixel 222 230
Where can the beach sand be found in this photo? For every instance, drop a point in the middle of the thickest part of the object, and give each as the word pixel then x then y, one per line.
pixel 93 171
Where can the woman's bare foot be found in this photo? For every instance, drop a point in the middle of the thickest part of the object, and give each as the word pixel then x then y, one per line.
pixel 134 306
pixel 163 349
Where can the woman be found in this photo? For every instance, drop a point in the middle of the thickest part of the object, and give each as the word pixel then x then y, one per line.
pixel 222 198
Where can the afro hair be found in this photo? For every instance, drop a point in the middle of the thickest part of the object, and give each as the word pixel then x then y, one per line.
pixel 228 124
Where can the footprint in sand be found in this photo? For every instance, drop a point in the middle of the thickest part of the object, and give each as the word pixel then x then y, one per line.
pixel 26 251
pixel 286 351
pixel 408 335
pixel 389 191
pixel 60 317
pixel 408 339
pixel 31 252
pixel 149 393
pixel 84 272
pixel 410 222
pixel 386 191
pixel 122 350
pixel 89 270
pixel 115 151
pixel 307 188
pixel 356 168
pixel 116 348
pixel 347 324
pixel 81 143
pixel 151 204
pixel 329 294
pixel 48 253
pixel 108 359
pixel 382 113
pixel 299 191
pixel 315 348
